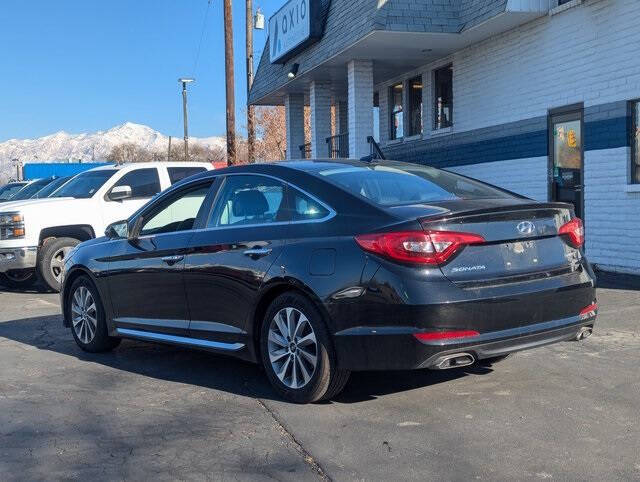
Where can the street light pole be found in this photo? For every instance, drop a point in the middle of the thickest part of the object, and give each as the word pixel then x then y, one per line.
pixel 251 133
pixel 230 93
pixel 185 81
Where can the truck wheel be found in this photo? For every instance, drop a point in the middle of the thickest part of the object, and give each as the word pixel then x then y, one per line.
pixel 19 279
pixel 51 260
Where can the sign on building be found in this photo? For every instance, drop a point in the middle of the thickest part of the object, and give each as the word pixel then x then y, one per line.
pixel 292 28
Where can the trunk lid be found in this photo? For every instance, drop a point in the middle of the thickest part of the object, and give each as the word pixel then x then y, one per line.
pixel 522 242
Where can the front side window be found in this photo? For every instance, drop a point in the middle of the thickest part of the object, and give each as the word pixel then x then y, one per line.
pixel 635 143
pixel 395 96
pixel 144 183
pixel 178 213
pixel 443 97
pixel 179 173
pixel 248 199
pixel 85 185
pixel 399 184
pixel 415 106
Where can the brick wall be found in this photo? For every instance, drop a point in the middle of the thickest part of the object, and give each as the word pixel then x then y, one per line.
pixel 611 214
pixel 524 176
pixel 585 54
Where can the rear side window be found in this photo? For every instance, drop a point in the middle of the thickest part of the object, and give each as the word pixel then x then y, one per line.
pixel 143 182
pixel 179 173
pixel 303 208
pixel 392 184
pixel 249 200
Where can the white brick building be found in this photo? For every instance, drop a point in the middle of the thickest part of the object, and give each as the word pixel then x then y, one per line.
pixel 536 96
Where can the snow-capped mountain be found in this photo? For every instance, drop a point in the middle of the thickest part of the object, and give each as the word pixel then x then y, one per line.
pixel 96 145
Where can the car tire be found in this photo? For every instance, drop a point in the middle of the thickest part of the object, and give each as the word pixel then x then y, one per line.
pixel 86 316
pixel 19 279
pixel 305 370
pixel 51 260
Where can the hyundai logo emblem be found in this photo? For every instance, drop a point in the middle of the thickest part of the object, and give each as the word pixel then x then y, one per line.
pixel 526 227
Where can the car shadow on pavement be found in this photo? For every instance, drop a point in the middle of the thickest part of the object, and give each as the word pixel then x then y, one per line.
pixel 208 370
pixel 617 281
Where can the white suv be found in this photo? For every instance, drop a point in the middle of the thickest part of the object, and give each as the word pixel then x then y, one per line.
pixel 36 234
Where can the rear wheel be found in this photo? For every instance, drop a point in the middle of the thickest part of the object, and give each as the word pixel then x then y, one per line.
pixel 19 279
pixel 85 313
pixel 297 353
pixel 51 260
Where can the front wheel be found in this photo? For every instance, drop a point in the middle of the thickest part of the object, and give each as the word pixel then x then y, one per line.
pixel 297 353
pixel 51 260
pixel 19 279
pixel 86 316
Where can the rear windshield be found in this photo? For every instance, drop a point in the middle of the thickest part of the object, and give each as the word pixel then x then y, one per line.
pixel 8 191
pixel 51 187
pixel 31 189
pixel 397 184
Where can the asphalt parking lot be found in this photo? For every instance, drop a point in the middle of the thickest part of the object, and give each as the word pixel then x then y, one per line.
pixel 568 411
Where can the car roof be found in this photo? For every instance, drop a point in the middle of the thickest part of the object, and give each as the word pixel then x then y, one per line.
pixel 310 166
pixel 132 165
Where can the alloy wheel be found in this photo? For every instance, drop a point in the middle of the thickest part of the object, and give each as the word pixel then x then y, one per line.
pixel 84 315
pixel 292 346
pixel 57 262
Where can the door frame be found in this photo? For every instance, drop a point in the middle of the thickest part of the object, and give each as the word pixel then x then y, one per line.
pixel 571 112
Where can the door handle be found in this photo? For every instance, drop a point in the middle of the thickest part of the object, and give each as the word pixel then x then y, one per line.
pixel 257 252
pixel 171 260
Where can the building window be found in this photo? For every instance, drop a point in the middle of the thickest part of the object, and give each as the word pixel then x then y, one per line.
pixel 395 97
pixel 415 106
pixel 635 142
pixel 443 97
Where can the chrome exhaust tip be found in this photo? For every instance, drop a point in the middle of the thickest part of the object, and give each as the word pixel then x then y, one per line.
pixel 584 332
pixel 455 360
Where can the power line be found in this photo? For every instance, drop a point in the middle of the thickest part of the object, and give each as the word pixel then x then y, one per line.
pixel 204 25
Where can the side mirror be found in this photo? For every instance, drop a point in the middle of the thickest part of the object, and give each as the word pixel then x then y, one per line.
pixel 117 230
pixel 119 193
pixel 134 232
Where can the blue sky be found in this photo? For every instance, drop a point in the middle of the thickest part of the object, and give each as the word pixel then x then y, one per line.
pixel 86 65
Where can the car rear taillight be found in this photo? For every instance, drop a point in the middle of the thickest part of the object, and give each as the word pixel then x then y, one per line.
pixel 589 311
pixel 445 335
pixel 419 247
pixel 573 232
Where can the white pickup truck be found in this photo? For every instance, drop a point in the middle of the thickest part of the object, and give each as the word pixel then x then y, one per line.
pixel 36 234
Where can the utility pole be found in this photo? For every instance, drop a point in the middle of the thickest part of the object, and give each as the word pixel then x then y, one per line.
pixel 185 81
pixel 169 151
pixel 228 67
pixel 251 133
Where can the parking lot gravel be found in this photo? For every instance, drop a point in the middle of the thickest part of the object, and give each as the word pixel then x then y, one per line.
pixel 565 412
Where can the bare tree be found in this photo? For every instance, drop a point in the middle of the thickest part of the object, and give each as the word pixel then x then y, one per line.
pixel 129 152
pixel 271 131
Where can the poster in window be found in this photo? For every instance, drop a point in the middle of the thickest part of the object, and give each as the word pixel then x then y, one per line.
pixel 567 138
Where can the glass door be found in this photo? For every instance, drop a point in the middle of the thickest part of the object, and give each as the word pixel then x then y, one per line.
pixel 566 158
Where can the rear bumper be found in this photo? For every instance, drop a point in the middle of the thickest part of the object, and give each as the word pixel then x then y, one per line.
pixel 18 258
pixel 395 348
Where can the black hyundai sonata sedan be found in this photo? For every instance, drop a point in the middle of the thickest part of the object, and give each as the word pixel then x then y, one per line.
pixel 319 268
